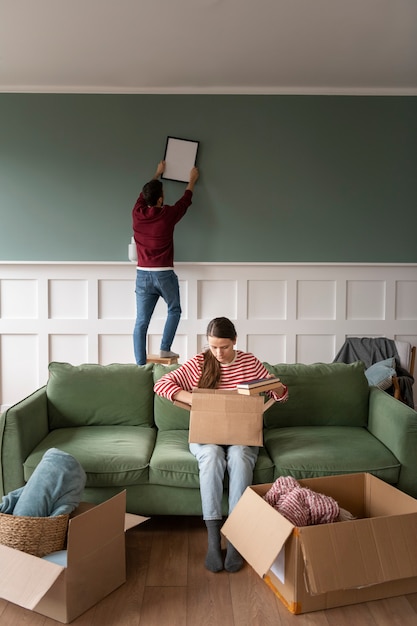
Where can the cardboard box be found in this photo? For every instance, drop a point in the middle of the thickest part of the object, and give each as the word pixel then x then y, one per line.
pixel 317 567
pixel 225 417
pixel 96 564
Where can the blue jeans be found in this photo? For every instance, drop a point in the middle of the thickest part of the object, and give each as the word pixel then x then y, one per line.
pixel 212 462
pixel 150 286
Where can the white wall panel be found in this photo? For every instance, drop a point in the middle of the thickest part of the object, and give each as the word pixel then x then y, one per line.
pixel 267 299
pixel 19 357
pixel 19 299
pixel 68 299
pixel 185 300
pixel 160 311
pixel 315 348
pixel 68 348
pixel 366 300
pixel 116 299
pixel 316 299
pixel 271 347
pixel 202 343
pixel 85 312
pixel 115 349
pixel 217 298
pixel 406 300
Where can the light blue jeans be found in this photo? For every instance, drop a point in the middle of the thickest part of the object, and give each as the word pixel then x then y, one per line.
pixel 213 461
pixel 150 286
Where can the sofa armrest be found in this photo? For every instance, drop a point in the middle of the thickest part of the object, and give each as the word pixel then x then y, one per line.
pixel 395 425
pixel 22 427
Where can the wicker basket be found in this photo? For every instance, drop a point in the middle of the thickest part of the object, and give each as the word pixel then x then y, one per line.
pixel 35 535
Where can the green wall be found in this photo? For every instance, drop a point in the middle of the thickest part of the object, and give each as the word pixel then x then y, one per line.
pixel 283 178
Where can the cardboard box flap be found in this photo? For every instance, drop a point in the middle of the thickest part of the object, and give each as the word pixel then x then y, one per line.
pixel 182 405
pixel 263 408
pixel 228 400
pixel 132 520
pixel 268 404
pixel 385 549
pixel 225 400
pixel 86 531
pixel 254 517
pixel 25 579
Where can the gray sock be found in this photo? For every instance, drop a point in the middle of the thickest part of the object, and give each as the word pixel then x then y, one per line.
pixel 233 561
pixel 214 560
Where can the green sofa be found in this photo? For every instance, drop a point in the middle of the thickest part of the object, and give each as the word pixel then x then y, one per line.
pixel 127 438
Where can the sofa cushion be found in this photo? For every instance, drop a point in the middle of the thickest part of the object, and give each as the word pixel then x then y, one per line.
pixel 99 395
pixel 168 416
pixel 307 452
pixel 173 464
pixel 264 468
pixel 321 394
pixel 110 455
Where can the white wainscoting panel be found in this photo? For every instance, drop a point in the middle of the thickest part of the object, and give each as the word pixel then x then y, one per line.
pixel 366 300
pixel 267 299
pixel 406 300
pixel 68 299
pixel 69 348
pixel 300 312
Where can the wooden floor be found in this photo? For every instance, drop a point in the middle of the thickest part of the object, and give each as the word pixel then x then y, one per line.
pixel 167 585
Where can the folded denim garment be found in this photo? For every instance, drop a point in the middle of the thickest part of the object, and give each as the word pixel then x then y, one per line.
pixel 55 488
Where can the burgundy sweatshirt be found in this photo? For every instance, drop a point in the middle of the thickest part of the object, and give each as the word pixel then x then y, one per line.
pixel 153 228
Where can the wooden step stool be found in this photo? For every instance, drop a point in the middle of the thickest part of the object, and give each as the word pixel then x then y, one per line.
pixel 155 358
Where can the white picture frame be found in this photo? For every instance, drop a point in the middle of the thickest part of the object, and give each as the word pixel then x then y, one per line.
pixel 180 157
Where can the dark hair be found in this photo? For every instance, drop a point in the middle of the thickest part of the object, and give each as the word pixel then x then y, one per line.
pixel 222 328
pixel 152 191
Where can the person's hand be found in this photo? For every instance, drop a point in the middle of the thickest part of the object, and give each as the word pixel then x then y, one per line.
pixel 194 174
pixel 184 396
pixel 280 390
pixel 160 169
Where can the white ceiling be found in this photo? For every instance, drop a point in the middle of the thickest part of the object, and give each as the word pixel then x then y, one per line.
pixel 209 46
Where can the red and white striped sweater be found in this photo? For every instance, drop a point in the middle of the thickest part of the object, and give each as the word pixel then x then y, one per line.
pixel 244 367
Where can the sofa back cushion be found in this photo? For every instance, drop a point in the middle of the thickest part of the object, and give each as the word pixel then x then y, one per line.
pixel 321 394
pixel 167 415
pixel 99 395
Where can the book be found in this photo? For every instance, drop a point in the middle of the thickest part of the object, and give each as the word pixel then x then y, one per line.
pixel 248 384
pixel 249 387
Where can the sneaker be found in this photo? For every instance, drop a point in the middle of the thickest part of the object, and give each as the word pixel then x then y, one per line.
pixel 168 354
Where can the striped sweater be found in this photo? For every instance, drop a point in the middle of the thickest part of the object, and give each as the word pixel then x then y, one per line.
pixel 244 367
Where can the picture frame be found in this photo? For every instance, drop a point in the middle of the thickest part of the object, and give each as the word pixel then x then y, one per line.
pixel 180 157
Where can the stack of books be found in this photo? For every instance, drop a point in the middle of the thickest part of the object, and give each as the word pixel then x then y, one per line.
pixel 251 387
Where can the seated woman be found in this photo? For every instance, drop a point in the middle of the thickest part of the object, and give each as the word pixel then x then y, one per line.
pixel 221 366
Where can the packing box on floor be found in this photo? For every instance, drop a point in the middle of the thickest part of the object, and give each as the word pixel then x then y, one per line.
pixel 317 567
pixel 225 417
pixel 96 564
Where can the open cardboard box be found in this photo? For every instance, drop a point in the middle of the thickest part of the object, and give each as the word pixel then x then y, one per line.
pixel 96 564
pixel 225 417
pixel 317 567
